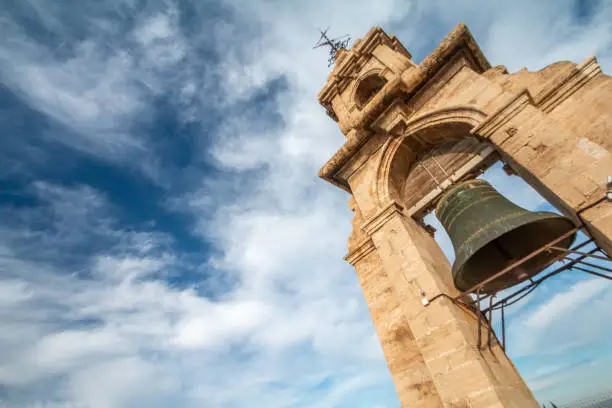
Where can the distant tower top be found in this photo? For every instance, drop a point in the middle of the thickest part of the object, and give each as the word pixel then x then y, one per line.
pixel 359 74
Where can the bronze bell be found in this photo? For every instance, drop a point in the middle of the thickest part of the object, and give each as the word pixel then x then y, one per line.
pixel 489 233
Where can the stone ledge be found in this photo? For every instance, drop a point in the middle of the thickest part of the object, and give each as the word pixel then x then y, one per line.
pixel 363 249
pixel 503 115
pixel 585 71
pixel 377 221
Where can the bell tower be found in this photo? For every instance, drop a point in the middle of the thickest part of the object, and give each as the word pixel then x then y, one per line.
pixel 415 131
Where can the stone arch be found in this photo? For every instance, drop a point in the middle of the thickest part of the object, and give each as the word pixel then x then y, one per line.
pixel 398 154
pixel 367 86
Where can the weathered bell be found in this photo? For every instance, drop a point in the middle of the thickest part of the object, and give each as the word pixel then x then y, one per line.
pixel 489 233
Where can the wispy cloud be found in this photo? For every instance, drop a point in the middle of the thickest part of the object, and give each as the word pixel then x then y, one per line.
pixel 115 317
pixel 99 75
pixel 216 102
pixel 564 302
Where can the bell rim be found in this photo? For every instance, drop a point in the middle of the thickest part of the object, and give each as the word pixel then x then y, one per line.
pixel 545 215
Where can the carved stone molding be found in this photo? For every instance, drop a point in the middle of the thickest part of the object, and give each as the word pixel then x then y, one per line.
pixel 361 251
pixel 504 114
pixel 377 221
pixel 585 71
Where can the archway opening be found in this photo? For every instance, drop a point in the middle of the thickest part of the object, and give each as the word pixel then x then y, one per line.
pixel 554 334
pixel 556 323
pixel 367 88
pixel 557 326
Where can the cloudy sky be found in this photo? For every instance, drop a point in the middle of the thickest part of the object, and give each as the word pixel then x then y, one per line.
pixel 164 239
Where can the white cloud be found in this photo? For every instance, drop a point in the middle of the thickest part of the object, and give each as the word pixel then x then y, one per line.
pixel 568 321
pixel 111 384
pixel 99 85
pixel 562 303
pixel 217 324
pixel 91 92
pixel 85 327
pixel 13 292
pixel 114 333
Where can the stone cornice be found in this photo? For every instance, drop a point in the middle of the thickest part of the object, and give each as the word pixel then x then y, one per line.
pixel 460 39
pixel 377 221
pixel 356 140
pixel 363 249
pixel 504 114
pixel 546 101
pixel 371 146
pixel 585 71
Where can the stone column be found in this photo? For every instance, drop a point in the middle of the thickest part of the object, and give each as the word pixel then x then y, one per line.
pixel 441 336
pixel 409 372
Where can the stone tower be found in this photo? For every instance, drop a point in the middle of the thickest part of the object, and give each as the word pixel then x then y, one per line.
pixel 412 131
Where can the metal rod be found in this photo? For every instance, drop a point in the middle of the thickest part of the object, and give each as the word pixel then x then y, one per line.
pixel 521 261
pixel 458 302
pixel 603 251
pixel 583 244
pixel 603 268
pixel 548 275
pixel 586 207
pixel 503 324
pixel 530 288
pixel 479 317
pixel 606 251
pixel 490 325
pixel 591 205
pixel 587 242
pixel 593 272
pixel 558 258
pixel 604 258
pixel 458 298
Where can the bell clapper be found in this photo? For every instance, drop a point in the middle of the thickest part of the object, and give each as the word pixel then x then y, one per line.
pixel 519 273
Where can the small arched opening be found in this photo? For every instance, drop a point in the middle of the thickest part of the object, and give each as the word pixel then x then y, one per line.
pixel 367 88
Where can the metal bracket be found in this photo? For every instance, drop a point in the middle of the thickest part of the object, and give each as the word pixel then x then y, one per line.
pixel 565 255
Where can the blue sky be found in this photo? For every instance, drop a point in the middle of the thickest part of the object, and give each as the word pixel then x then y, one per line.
pixel 164 239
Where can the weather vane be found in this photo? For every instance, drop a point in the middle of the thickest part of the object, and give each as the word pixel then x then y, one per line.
pixel 334 44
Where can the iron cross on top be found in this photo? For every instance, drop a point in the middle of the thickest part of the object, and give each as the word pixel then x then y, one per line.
pixel 334 44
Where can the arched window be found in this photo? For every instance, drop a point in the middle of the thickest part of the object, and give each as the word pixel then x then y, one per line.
pixel 367 88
